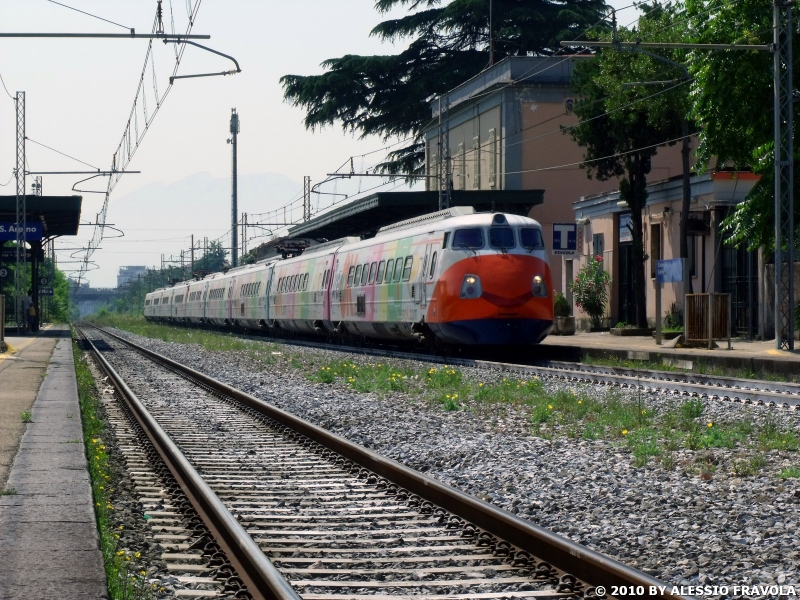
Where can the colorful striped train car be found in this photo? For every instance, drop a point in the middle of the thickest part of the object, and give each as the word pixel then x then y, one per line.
pixel 455 276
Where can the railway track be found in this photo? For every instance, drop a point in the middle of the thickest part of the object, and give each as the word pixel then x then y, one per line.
pixel 728 389
pixel 299 512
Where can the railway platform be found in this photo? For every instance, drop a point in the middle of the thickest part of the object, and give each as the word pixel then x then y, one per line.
pixel 48 537
pixel 744 355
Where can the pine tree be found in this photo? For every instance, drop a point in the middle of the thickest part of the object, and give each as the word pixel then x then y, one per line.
pixel 449 43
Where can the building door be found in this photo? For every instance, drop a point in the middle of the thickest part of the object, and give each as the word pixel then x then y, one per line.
pixel 740 280
pixel 627 301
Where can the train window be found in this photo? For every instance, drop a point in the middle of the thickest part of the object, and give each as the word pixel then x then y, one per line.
pixel 398 270
pixel 446 239
pixel 407 268
pixel 350 276
pixel 531 238
pixel 433 265
pixel 389 267
pixel 372 268
pixel 357 278
pixel 364 274
pixel 379 274
pixel 471 238
pixel 501 237
pixel 147 302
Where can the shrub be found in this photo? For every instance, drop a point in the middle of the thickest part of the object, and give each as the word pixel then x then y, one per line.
pixel 590 289
pixel 560 305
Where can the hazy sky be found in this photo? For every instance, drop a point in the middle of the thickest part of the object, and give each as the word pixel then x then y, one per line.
pixel 80 93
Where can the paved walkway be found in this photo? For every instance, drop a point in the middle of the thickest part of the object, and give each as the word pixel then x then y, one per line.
pixel 48 538
pixel 744 353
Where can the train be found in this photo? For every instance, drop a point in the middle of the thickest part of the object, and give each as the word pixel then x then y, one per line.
pixel 453 277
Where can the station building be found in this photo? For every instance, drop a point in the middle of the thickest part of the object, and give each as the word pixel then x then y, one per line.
pixel 506 132
pixel 713 266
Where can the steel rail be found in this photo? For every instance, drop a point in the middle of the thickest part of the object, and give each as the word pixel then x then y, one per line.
pixel 260 576
pixel 731 389
pixel 562 553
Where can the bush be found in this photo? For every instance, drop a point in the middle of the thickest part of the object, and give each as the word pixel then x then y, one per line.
pixel 590 290
pixel 560 305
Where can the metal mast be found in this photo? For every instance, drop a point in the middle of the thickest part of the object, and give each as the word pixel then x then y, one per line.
pixel 784 176
pixel 234 191
pixel 22 211
pixel 306 198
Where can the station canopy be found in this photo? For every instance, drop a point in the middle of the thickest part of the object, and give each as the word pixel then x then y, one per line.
pixel 363 217
pixel 59 215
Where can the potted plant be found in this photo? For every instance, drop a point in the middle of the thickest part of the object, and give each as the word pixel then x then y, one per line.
pixel 565 323
pixel 590 290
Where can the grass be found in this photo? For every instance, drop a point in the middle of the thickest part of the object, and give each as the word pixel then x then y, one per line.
pixel 790 473
pixel 8 492
pixel 26 416
pixel 125 580
pixel 210 340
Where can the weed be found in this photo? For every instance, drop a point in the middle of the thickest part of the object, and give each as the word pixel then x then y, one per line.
pixel 668 461
pixel 643 444
pixel 124 581
pixel 69 415
pixel 8 492
pixel 26 416
pixel 789 473
pixel 772 437
pixel 691 409
pixel 365 378
pixel 749 466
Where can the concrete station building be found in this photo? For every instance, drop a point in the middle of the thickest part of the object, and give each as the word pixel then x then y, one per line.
pixel 505 130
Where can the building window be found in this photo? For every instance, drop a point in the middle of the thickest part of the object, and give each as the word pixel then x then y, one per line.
pixel 597 244
pixel 492 159
pixel 655 248
pixel 476 162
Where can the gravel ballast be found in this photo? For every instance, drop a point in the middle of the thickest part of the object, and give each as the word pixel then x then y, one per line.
pixel 686 526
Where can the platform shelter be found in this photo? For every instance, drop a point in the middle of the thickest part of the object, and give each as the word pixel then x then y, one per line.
pixel 48 217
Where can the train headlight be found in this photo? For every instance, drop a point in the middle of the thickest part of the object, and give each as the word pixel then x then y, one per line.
pixel 471 287
pixel 539 287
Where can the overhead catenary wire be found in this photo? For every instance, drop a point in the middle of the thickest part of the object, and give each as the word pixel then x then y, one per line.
pixel 5 88
pixel 89 14
pixel 61 153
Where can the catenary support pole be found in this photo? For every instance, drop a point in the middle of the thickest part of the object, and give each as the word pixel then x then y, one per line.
pixel 234 190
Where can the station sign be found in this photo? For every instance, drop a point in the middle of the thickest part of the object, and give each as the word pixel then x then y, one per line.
pixel 625 228
pixel 669 271
pixel 565 239
pixel 45 291
pixel 8 231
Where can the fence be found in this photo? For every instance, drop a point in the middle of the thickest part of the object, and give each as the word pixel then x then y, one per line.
pixel 708 318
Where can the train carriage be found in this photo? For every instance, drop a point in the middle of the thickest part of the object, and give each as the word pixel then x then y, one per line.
pixel 180 302
pixel 455 276
pixel 195 302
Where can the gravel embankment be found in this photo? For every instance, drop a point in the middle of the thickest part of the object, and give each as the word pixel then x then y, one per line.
pixel 686 526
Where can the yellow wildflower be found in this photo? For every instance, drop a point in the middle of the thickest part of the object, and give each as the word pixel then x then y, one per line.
pixel 624 432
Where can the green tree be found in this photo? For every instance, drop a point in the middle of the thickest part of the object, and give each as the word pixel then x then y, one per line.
pixel 622 126
pixel 212 260
pixel 448 44
pixel 733 105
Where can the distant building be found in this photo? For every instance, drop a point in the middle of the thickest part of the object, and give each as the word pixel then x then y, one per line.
pixel 128 274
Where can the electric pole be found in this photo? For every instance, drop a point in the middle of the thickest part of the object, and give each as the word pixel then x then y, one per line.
pixel 22 215
pixel 306 198
pixel 234 190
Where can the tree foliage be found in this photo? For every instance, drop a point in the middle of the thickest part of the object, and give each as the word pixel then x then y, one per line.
pixel 448 44
pixel 733 104
pixel 622 126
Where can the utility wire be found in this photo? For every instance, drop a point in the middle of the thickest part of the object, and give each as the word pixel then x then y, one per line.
pixel 61 153
pixel 5 88
pixel 90 14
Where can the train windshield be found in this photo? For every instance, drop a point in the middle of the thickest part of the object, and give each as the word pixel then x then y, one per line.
pixel 531 238
pixel 471 238
pixel 501 237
